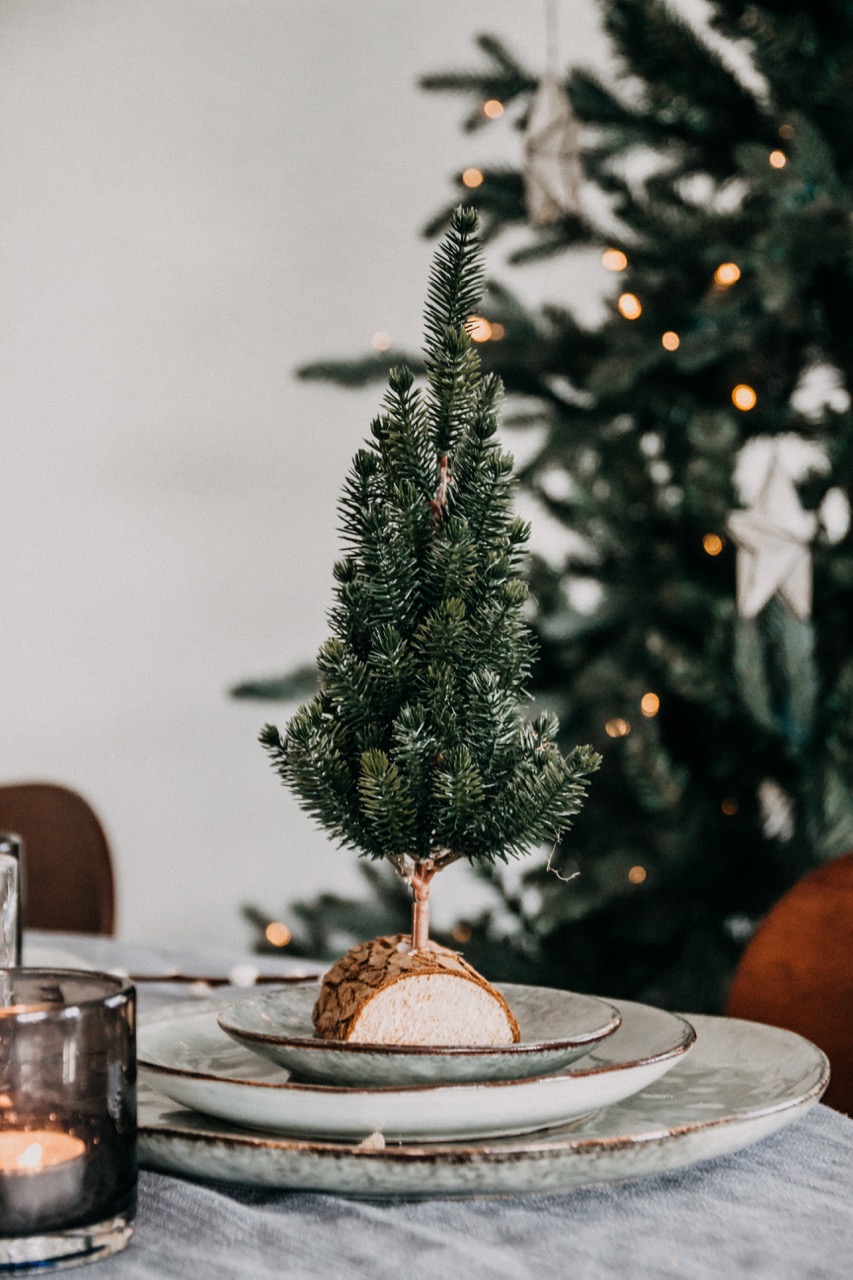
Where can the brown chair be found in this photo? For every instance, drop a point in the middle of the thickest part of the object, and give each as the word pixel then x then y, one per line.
pixel 797 971
pixel 68 873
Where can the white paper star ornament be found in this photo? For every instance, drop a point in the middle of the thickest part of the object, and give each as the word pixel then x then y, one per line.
pixel 552 155
pixel 774 557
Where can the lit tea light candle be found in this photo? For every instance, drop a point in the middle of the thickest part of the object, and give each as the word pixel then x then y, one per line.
pixel 41 1177
pixel 67 1117
pixel 30 1150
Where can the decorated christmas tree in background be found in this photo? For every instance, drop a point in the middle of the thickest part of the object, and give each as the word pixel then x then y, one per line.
pixel 698 446
pixel 415 749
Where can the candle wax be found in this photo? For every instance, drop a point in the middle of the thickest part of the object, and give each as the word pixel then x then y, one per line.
pixel 42 1174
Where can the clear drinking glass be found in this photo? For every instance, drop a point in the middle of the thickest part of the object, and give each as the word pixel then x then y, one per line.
pixel 10 899
pixel 67 1117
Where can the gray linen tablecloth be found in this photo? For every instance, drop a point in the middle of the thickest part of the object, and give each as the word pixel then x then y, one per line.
pixel 780 1210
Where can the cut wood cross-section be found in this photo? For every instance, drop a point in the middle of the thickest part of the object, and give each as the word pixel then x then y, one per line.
pixel 383 992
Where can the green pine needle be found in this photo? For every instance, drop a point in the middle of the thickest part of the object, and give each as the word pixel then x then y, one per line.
pixel 416 745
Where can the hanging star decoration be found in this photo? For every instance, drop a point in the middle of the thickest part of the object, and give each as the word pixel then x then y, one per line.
pixel 552 155
pixel 773 537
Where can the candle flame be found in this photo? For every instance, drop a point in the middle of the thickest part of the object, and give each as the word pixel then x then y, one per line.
pixel 32 1157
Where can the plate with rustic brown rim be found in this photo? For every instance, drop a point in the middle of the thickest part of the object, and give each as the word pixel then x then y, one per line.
pixel 190 1060
pixel 556 1028
pixel 740 1083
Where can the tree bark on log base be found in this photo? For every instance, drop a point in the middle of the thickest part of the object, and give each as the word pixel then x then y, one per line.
pixel 421 879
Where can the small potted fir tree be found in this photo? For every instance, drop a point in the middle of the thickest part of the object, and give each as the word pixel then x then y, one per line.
pixel 415 748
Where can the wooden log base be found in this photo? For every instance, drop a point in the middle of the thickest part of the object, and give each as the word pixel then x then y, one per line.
pixel 383 992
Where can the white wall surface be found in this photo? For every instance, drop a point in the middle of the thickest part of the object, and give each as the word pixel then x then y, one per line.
pixel 199 195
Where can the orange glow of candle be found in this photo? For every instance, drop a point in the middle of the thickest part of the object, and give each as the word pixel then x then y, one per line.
pixel 25 1151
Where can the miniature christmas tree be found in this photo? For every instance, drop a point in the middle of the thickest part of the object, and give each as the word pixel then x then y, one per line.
pixel 415 749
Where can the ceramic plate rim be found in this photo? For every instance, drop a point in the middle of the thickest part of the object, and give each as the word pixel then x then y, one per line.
pixel 535 1143
pixel 686 1040
pixel 442 1051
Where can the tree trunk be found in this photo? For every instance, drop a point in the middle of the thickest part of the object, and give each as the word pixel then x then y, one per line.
pixel 423 874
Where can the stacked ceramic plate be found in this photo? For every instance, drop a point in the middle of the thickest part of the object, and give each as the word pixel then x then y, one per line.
pixel 258 1063
pixel 579 1100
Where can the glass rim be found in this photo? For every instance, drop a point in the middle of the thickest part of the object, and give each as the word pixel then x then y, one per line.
pixel 122 990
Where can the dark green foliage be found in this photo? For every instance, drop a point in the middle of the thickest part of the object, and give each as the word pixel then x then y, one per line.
pixel 637 462
pixel 415 745
pixel 648 440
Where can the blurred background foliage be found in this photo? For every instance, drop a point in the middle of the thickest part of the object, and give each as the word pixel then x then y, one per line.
pixel 718 187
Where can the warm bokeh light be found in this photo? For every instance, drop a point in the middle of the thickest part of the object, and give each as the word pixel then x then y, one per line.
pixel 479 328
pixel 461 932
pixel 493 109
pixel 778 159
pixel 472 178
pixel 381 341
pixel 630 306
pixel 650 704
pixel 712 544
pixel 277 934
pixel 637 875
pixel 617 727
pixel 730 806
pixel 670 340
pixel 786 131
pixel 614 260
pixel 727 273
pixel 498 331
pixel 744 397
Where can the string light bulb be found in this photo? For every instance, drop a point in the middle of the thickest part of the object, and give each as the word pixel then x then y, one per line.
pixel 493 108
pixel 744 397
pixel 479 328
pixel 498 331
pixel 630 306
pixel 472 178
pixel 786 131
pixel 778 159
pixel 614 260
pixel 730 806
pixel 650 705
pixel 637 875
pixel 277 934
pixel 712 544
pixel 670 340
pixel 727 273
pixel 617 728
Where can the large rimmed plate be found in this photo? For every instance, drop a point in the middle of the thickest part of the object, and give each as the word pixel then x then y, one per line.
pixel 192 1062
pixel 740 1083
pixel 556 1028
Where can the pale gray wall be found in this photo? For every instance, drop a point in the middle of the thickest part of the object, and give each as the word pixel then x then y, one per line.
pixel 197 196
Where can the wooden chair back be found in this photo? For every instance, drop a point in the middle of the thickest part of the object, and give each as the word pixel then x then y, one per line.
pixel 797 971
pixel 68 872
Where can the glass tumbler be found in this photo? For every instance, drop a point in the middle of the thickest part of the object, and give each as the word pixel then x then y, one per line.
pixel 10 899
pixel 67 1117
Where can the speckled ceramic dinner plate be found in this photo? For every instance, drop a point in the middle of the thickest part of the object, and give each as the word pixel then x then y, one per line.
pixel 739 1084
pixel 556 1028
pixel 192 1062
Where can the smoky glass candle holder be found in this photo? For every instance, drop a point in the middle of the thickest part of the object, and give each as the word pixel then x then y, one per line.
pixel 68 1167
pixel 10 899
